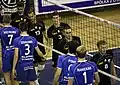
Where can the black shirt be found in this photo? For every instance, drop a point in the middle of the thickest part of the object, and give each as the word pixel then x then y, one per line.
pixel 36 29
pixel 63 44
pixel 17 18
pixel 1 18
pixel 104 63
pixel 56 33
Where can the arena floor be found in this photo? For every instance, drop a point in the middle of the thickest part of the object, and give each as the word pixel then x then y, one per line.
pixel 112 15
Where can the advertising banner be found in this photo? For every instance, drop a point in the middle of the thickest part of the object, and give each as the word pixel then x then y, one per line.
pixel 9 6
pixel 42 6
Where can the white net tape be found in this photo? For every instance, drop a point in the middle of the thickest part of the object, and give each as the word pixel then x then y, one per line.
pixel 109 75
pixel 91 16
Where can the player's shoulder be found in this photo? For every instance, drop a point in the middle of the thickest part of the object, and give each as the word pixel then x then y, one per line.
pixel 90 62
pixel 14 14
pixel 33 38
pixel 51 27
pixel 63 24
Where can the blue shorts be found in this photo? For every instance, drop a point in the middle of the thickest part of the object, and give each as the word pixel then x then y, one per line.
pixel 25 74
pixel 7 61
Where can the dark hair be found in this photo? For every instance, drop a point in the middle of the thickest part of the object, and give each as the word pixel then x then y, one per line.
pixel 21 3
pixel 101 42
pixel 72 45
pixel 81 51
pixel 31 10
pixel 23 26
pixel 55 13
pixel 6 18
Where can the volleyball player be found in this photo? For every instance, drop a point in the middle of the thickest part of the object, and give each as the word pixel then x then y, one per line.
pixel 63 64
pixel 83 72
pixel 23 64
pixel 63 44
pixel 55 32
pixel 104 62
pixel 7 35
pixel 18 16
pixel 36 28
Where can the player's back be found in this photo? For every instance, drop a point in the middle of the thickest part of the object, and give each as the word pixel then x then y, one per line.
pixel 8 34
pixel 26 45
pixel 67 61
pixel 84 72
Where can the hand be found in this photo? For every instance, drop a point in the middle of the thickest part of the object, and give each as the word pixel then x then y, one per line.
pixel 14 73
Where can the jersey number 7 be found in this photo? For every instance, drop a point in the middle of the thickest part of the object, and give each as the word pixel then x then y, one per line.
pixel 10 38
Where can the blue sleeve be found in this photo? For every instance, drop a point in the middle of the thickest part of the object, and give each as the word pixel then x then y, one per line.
pixel 18 32
pixel 15 42
pixel 35 42
pixel 95 67
pixel 59 62
pixel 70 72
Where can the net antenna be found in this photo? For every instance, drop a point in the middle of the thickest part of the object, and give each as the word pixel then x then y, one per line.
pixel 80 12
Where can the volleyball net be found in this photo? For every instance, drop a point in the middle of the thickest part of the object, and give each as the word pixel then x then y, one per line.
pixel 90 29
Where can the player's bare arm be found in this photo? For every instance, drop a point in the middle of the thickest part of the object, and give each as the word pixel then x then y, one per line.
pixel 97 79
pixel 56 77
pixel 70 81
pixel 15 60
pixel 40 53
pixel 113 71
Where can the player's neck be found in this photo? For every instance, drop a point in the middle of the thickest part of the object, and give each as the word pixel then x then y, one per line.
pixel 7 25
pixel 24 33
pixel 81 59
pixel 57 24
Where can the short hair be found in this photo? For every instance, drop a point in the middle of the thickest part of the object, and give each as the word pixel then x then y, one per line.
pixel 31 10
pixel 21 3
pixel 23 26
pixel 72 45
pixel 6 18
pixel 55 13
pixel 81 51
pixel 101 42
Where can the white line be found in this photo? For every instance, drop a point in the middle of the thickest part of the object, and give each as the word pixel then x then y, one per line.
pixel 86 14
pixel 109 75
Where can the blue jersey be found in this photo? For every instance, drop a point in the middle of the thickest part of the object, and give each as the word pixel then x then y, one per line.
pixel 83 72
pixel 26 45
pixel 64 62
pixel 7 35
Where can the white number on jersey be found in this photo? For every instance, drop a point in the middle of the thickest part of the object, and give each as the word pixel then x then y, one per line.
pixel 85 77
pixel 106 66
pixel 10 39
pixel 27 49
pixel 59 36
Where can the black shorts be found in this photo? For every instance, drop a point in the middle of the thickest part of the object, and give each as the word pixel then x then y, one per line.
pixel 54 58
pixel 36 56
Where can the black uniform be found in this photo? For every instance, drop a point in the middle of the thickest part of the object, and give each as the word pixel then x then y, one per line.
pixel 63 44
pixel 36 30
pixel 104 63
pixel 57 35
pixel 1 18
pixel 16 18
